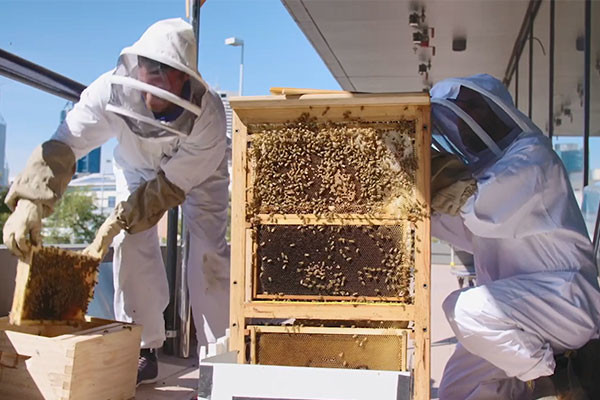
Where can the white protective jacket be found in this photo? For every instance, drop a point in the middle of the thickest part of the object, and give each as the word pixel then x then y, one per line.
pixel 189 149
pixel 537 291
pixel 187 160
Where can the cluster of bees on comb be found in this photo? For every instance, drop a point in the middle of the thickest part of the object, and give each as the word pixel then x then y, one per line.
pixel 356 262
pixel 326 169
pixel 60 285
pixel 307 167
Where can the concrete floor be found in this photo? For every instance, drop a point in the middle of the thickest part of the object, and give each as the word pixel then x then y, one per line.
pixel 178 378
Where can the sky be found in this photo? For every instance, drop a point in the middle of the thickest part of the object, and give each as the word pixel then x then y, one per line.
pixel 82 39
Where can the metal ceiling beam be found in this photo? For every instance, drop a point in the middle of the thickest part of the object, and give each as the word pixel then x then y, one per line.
pixel 19 69
pixel 532 10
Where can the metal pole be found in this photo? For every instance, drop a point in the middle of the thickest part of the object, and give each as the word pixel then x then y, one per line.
pixel 183 299
pixel 517 85
pixel 530 67
pixel 586 92
pixel 551 75
pixel 183 295
pixel 242 72
pixel 172 272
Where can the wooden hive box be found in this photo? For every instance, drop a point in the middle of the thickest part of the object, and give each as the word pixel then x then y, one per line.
pixel 330 220
pixel 91 359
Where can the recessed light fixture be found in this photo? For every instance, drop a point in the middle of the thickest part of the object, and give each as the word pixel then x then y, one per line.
pixel 459 44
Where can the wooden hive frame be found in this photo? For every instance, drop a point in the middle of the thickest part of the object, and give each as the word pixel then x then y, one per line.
pixel 327 335
pixel 326 108
pixel 34 270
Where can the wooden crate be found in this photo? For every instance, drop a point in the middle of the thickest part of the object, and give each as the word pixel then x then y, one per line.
pixel 92 359
pixel 253 297
pixel 53 285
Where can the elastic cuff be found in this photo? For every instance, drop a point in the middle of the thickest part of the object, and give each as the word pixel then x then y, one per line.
pixel 544 367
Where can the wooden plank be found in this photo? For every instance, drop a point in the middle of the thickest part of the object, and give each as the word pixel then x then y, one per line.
pixel 291 92
pixel 333 219
pixel 326 298
pixel 21 278
pixel 325 310
pixel 238 237
pixel 332 99
pixel 328 330
pixel 325 113
pixel 253 344
pixel 422 361
pixel 109 357
pixel 251 273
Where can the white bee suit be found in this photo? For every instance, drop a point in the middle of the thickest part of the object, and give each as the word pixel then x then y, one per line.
pixel 190 152
pixel 537 291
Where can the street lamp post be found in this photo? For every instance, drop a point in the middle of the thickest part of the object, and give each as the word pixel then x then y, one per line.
pixel 233 41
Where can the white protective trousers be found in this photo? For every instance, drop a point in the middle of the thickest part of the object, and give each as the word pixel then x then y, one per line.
pixel 517 317
pixel 141 288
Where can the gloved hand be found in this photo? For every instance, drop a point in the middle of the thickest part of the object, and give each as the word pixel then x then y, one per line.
pixel 451 183
pixel 147 204
pixel 45 177
pixel 142 210
pixel 104 237
pixel 22 229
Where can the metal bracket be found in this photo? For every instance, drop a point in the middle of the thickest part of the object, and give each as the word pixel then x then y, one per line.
pixel 171 334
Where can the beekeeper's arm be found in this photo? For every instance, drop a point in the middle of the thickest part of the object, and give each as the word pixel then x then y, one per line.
pixel 512 196
pixel 197 158
pixel 451 183
pixel 34 193
pixel 451 186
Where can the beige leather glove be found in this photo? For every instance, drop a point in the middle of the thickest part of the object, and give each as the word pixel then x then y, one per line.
pixel 142 210
pixel 23 227
pixel 45 177
pixel 451 183
pixel 104 237
pixel 147 204
pixel 34 193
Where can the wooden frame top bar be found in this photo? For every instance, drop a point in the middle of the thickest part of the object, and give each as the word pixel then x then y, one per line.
pixel 333 99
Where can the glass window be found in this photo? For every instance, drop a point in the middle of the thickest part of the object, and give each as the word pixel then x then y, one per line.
pixel 111 201
pixel 568 90
pixel 591 196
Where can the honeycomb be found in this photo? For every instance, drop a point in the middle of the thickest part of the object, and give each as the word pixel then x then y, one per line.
pixel 332 350
pixel 60 285
pixel 348 262
pixel 310 167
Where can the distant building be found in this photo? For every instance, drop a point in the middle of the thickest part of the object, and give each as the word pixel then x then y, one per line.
pixel 102 187
pixel 571 155
pixel 3 165
pixel 90 163
pixel 228 112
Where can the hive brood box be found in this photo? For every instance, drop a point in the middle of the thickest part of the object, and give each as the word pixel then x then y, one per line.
pixel 54 285
pixel 330 219
pixel 93 359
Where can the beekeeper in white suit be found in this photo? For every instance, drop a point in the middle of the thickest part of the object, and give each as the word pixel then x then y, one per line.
pixel 537 294
pixel 172 149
